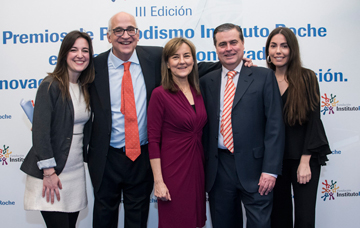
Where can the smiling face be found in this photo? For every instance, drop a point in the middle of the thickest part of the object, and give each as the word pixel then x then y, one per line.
pixel 78 58
pixel 123 46
pixel 181 63
pixel 279 51
pixel 229 48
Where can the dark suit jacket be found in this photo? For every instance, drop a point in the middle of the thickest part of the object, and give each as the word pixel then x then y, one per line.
pixel 52 129
pixel 150 61
pixel 257 123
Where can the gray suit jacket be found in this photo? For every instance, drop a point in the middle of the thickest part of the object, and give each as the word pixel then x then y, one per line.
pixel 52 129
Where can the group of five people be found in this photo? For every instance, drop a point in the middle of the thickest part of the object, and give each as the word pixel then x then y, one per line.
pixel 147 118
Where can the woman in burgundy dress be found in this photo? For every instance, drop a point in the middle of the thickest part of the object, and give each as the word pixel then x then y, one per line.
pixel 176 117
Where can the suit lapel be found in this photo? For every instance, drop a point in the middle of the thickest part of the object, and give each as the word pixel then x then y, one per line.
pixel 148 69
pixel 244 82
pixel 214 89
pixel 101 83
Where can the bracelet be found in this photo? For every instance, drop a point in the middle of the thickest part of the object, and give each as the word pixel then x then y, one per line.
pixel 49 175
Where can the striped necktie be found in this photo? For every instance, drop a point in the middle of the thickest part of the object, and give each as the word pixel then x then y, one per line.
pixel 226 127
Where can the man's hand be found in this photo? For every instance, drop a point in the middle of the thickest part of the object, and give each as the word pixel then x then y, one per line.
pixel 266 183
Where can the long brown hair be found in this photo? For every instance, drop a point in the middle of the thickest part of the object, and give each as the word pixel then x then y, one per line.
pixel 303 90
pixel 170 49
pixel 60 72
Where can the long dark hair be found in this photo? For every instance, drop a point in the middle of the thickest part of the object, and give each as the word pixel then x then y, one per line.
pixel 60 72
pixel 303 90
pixel 170 49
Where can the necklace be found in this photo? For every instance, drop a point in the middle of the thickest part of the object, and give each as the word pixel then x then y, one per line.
pixel 280 80
pixel 185 91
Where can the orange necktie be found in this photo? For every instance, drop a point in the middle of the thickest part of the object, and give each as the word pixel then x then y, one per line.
pixel 128 109
pixel 226 127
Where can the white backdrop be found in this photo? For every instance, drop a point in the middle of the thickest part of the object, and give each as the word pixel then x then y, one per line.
pixel 327 31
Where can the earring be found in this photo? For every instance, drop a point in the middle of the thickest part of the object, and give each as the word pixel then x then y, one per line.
pixel 268 59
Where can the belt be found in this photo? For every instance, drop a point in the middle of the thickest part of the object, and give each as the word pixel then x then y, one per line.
pixel 122 149
pixel 226 151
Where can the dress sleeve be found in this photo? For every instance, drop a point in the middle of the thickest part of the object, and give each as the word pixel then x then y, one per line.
pixel 316 142
pixel 155 122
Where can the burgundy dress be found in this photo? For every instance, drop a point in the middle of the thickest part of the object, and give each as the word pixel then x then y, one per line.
pixel 174 133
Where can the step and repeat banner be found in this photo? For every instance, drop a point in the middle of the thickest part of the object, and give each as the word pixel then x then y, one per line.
pixel 31 33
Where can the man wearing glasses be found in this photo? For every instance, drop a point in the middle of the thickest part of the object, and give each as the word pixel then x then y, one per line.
pixel 116 168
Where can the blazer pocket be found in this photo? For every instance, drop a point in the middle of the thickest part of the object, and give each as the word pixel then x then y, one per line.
pixel 251 96
pixel 258 152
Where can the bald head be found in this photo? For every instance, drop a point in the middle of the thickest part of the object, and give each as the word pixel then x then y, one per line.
pixel 124 45
pixel 121 16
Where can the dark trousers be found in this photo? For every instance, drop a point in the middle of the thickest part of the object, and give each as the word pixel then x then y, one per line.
pixel 134 180
pixel 227 194
pixel 304 197
pixel 59 219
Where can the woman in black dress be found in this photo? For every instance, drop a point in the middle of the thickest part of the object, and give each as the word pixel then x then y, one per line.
pixel 306 145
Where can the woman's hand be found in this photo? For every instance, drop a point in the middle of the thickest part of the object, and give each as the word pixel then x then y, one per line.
pixel 248 62
pixel 304 172
pixel 161 191
pixel 51 185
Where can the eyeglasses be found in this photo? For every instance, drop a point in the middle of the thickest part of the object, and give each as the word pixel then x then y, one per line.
pixel 120 31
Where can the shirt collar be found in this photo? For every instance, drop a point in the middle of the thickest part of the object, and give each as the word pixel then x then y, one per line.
pixel 237 69
pixel 116 62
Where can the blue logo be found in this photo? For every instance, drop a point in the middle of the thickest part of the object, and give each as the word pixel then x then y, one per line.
pixel 20 84
pixel 7 203
pixel 5 117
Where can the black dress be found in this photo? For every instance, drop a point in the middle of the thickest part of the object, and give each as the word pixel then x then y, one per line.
pixel 306 139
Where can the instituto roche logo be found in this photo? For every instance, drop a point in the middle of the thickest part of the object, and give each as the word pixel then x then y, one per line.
pixel 7 203
pixel 4 155
pixel 328 103
pixel 331 191
pixel 7 156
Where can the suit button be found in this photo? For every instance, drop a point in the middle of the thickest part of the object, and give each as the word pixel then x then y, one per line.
pixel 216 156
pixel 68 138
